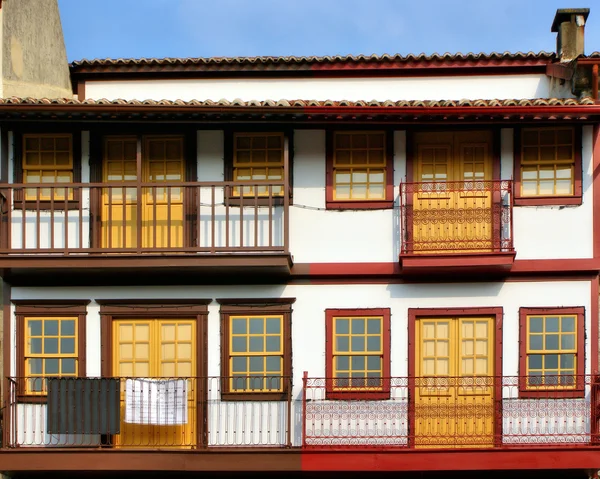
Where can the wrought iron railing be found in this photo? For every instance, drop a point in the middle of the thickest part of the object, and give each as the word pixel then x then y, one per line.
pixel 145 218
pixel 147 413
pixel 492 412
pixel 456 217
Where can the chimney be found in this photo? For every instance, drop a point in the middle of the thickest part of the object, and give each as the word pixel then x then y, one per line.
pixel 569 23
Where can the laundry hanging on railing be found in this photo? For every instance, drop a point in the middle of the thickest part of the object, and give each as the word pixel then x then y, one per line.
pixel 160 402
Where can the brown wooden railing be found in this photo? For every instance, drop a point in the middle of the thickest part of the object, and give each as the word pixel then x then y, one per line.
pixel 147 413
pixel 456 217
pixel 145 218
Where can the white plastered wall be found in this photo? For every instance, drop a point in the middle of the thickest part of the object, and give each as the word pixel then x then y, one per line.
pixel 352 89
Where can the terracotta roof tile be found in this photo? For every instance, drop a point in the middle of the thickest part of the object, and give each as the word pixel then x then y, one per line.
pixel 299 103
pixel 290 60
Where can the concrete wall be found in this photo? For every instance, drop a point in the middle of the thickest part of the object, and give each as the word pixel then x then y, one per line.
pixel 34 59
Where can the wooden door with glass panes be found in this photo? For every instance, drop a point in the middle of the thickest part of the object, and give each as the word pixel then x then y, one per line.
pixel 155 349
pixel 159 209
pixel 452 203
pixel 454 387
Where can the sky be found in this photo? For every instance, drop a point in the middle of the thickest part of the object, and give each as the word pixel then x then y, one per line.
pixel 225 28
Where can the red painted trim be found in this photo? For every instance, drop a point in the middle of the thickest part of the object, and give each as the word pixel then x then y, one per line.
pixel 332 313
pixel 415 313
pixel 596 189
pixel 519 267
pixel 333 204
pixel 575 199
pixel 579 390
pixel 440 261
pixel 594 320
pixel 518 458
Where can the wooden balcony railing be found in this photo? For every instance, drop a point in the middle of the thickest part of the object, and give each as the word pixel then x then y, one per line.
pixel 450 412
pixel 135 413
pixel 456 217
pixel 145 218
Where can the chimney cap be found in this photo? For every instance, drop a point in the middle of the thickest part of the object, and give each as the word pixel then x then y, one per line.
pixel 564 15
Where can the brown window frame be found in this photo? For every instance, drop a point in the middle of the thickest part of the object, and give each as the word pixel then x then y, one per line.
pixel 380 394
pixel 228 153
pixel 553 200
pixel 47 309
pixel 579 390
pixel 333 204
pixel 254 307
pixel 19 201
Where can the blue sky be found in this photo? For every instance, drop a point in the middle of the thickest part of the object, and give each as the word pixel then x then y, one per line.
pixel 201 28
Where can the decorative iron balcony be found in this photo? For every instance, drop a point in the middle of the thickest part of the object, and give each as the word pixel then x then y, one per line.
pixel 97 219
pixel 147 413
pixel 451 412
pixel 456 217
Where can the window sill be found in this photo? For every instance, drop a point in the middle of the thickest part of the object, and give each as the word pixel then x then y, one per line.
pixel 360 205
pixel 358 395
pixel 551 393
pixel 547 200
pixel 258 396
pixel 251 201
pixel 24 398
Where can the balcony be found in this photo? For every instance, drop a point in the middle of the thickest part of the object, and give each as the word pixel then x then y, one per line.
pixel 451 413
pixel 128 228
pixel 144 414
pixel 456 226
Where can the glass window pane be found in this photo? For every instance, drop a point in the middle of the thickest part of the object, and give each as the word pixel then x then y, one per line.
pixel 257 364
pixel 374 326
pixel 567 361
pixel 35 346
pixel 343 363
pixel 256 326
pixel 342 343
pixel 552 341
pixel 67 327
pixel 238 344
pixel 567 341
pixel 358 326
pixel 67 345
pixel 239 365
pixel 51 327
pixel 273 383
pixel 551 361
pixel 238 326
pixel 35 327
pixel 374 363
pixel 256 383
pixel 358 343
pixel 567 324
pixel 536 324
pixel 342 326
pixel 35 366
pixel 358 363
pixel 68 366
pixel 239 383
pixel 373 343
pixel 50 345
pixel 552 324
pixel 273 343
pixel 535 342
pixel 51 366
pixel 273 325
pixel 535 361
pixel 257 344
pixel 274 363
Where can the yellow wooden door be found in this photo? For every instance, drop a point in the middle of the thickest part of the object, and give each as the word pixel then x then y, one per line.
pixel 452 205
pixel 454 386
pixel 162 216
pixel 155 349
pixel 160 209
pixel 119 202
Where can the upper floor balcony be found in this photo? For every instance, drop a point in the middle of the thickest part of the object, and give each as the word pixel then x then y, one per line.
pixel 456 224
pixel 131 226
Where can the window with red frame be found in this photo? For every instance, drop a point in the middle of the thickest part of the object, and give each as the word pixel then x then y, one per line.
pixel 357 348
